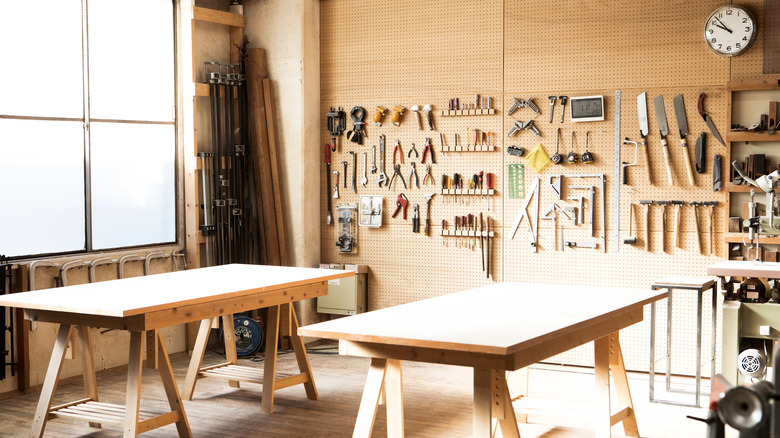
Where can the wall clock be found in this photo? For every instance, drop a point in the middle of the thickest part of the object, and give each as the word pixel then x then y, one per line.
pixel 730 30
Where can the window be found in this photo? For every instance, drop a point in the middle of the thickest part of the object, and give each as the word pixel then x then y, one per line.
pixel 87 125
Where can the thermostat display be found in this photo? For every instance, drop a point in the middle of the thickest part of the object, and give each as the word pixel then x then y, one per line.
pixel 587 108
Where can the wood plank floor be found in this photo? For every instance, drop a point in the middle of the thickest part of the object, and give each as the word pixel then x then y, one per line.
pixel 437 403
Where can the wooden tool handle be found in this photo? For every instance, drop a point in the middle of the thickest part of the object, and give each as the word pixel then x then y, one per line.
pixel 647 162
pixel 688 166
pixel 677 227
pixel 668 162
pixel 647 227
pixel 696 231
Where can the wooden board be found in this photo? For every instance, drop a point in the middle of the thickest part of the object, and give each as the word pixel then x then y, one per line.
pixel 740 268
pixel 140 295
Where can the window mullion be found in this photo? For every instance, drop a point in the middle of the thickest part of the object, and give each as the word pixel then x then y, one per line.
pixel 87 165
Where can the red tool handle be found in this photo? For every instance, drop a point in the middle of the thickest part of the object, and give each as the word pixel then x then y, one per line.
pixel 327 154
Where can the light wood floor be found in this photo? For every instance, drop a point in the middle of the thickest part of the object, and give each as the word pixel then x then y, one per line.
pixel 437 403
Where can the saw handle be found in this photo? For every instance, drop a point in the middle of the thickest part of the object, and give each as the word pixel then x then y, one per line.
pixel 647 161
pixel 668 161
pixel 688 166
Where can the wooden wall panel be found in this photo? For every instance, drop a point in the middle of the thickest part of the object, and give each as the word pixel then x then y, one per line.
pixel 408 53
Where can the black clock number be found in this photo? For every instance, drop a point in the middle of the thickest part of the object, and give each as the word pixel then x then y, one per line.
pixel 729 12
pixel 747 30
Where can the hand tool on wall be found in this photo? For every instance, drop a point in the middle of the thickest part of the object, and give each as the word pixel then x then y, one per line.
pixel 328 217
pixel 555 186
pixel 400 204
pixel 695 204
pixel 530 126
pixel 399 151
pixel 563 100
pixel 416 110
pixel 344 163
pixel 382 178
pixel 337 123
pixel 711 209
pixel 717 179
pixel 631 239
pixel 487 247
pixel 587 157
pixel 522 103
pixel 482 240
pixel 428 150
pixel 701 146
pixel 413 149
pixel 663 205
pixel 624 166
pixel 336 187
pixel 647 204
pixel 416 218
pixel 428 178
pixel 533 195
pixel 572 157
pixel 365 175
pixel 516 126
pixel 443 227
pixel 396 172
pixel 557 158
pixel 663 128
pixel 413 176
pixel 515 151
pixel 348 235
pixel 552 106
pixel 708 119
pixel 379 114
pixel 428 197
pixel 489 177
pixel 354 171
pixel 580 207
pixel 398 111
pixel 358 113
pixel 682 125
pixel 373 159
pixel 429 116
pixel 644 130
pixel 678 218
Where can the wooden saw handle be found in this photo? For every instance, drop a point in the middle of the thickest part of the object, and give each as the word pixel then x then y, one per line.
pixel 668 161
pixel 688 166
pixel 647 161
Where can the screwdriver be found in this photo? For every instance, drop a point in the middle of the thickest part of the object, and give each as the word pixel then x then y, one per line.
pixel 489 187
pixel 481 180
pixel 487 246
pixel 457 226
pixel 444 186
pixel 481 238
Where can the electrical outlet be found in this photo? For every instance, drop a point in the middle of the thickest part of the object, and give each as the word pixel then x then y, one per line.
pixel 764 330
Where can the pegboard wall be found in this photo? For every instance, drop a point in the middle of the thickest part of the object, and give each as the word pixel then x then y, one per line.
pixel 408 53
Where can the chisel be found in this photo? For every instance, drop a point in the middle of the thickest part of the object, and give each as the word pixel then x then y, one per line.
pixel 682 125
pixel 663 129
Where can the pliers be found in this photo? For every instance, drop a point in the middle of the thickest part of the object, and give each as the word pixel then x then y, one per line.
pixel 428 147
pixel 428 177
pixel 396 171
pixel 398 150
pixel 413 174
pixel 402 202
pixel 413 149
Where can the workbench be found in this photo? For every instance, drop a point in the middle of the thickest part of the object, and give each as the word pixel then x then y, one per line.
pixel 493 329
pixel 142 305
pixel 743 320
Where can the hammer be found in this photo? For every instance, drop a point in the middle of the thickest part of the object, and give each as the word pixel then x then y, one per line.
pixel 663 223
pixel 711 205
pixel 677 219
pixel 647 204
pixel 694 204
pixel 631 239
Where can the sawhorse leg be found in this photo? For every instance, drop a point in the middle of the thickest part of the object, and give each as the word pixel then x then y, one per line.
pixel 64 335
pixel 492 400
pixel 384 376
pixel 200 349
pixel 608 357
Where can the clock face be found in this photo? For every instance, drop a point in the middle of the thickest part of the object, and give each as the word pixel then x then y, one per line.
pixel 730 30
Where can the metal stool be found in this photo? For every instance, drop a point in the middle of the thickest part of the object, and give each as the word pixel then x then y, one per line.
pixel 700 285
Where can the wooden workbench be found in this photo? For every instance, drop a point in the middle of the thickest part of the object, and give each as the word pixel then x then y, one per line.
pixel 142 305
pixel 497 328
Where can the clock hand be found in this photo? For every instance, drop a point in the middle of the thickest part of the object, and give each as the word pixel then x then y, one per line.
pixel 722 26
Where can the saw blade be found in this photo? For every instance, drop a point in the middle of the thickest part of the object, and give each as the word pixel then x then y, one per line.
pixel 660 115
pixel 679 112
pixel 641 107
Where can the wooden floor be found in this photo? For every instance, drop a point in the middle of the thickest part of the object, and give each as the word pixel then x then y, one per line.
pixel 437 403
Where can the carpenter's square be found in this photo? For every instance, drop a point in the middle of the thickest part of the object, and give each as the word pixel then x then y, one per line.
pixel 663 128
pixel 682 125
pixel 533 194
pixel 644 129
pixel 706 117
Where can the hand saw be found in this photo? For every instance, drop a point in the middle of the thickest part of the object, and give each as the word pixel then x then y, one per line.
pixel 682 125
pixel 663 128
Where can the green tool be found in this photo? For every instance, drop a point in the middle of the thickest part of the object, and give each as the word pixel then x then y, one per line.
pixel 516 173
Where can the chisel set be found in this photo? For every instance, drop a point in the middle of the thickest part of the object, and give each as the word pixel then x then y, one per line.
pixel 470 231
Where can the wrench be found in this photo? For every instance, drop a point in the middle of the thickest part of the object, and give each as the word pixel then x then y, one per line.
pixel 365 178
pixel 344 163
pixel 373 159
pixel 354 171
pixel 382 179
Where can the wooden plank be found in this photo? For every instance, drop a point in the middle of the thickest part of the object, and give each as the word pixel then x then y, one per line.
pixel 51 379
pixel 87 365
pixel 394 399
pixel 218 17
pixel 21 284
pixel 197 358
pixel 269 366
pixel 258 130
pixel 284 255
pixel 177 414
pixel 370 400
pixel 133 392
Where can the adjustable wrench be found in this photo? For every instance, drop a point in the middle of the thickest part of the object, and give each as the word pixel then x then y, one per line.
pixel 373 159
pixel 365 177
pixel 382 179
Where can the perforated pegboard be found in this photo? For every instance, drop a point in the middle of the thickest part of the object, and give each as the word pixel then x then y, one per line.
pixel 509 50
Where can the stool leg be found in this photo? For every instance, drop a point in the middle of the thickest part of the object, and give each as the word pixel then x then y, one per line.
pixel 698 347
pixel 669 340
pixel 714 318
pixel 652 350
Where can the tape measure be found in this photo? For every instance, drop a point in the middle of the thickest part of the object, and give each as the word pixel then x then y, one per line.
pixel 516 177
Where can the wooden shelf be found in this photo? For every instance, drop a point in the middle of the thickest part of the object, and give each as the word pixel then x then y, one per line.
pixel 218 17
pixel 752 136
pixel 730 187
pixel 738 238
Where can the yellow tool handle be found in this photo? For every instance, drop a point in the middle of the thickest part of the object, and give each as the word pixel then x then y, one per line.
pixel 688 167
pixel 668 162
pixel 647 162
